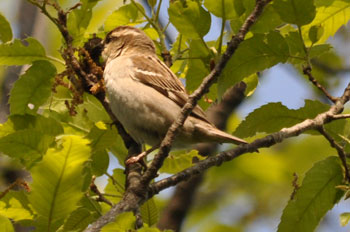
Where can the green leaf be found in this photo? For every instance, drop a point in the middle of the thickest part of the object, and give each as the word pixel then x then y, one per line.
pixel 189 18
pixel 268 21
pixel 57 181
pixel 299 12
pixel 275 116
pixel 344 219
pixel 223 8
pixel 252 82
pixel 99 162
pixel 5 29
pixel 317 195
pixel 198 64
pixel 102 136
pixel 16 53
pixel 116 187
pixel 78 220
pixel 48 126
pixel 32 89
pixel 123 222
pixel 319 49
pixel 28 146
pixel 79 19
pixel 15 205
pixel 178 162
pixel 149 212
pixel 125 15
pixel 253 55
pixel 330 18
pixel 315 33
pixel 5 224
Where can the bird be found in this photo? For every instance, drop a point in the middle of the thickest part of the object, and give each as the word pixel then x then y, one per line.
pixel 147 97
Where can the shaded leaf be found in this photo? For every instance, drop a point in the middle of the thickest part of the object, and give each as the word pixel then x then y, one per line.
pixel 223 8
pixel 79 19
pixel 16 53
pixel 268 21
pixel 178 162
pixel 5 29
pixel 299 12
pixel 32 89
pixel 315 33
pixel 28 146
pixel 274 116
pixel 317 195
pixel 189 18
pixel 125 15
pixel 57 179
pixel 78 220
pixel 253 55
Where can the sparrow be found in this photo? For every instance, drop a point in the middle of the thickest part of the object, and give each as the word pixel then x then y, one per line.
pixel 147 97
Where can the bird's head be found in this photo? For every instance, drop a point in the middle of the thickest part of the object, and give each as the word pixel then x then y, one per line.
pixel 126 40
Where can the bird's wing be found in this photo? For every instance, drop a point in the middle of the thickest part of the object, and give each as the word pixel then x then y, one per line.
pixel 151 71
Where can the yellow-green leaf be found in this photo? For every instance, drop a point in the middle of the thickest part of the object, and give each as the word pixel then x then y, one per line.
pixel 57 181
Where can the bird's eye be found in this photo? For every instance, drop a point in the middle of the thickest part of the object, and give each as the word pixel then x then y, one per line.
pixel 107 40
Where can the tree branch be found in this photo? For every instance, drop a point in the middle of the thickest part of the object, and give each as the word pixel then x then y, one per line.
pixel 134 197
pixel 308 124
pixel 165 147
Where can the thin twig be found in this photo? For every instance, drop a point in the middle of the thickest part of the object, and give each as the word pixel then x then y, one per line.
pixel 341 116
pixel 307 71
pixel 18 182
pixel 101 197
pixel 341 152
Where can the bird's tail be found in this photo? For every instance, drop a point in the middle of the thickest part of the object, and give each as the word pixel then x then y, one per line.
pixel 215 135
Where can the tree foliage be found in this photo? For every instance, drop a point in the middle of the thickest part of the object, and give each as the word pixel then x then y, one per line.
pixel 61 131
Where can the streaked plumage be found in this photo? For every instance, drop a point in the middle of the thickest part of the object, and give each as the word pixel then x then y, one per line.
pixel 146 96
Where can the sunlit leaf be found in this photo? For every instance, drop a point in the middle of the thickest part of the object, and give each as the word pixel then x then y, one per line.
pixel 116 186
pixel 5 224
pixel 123 222
pixel 32 89
pixel 57 181
pixel 317 195
pixel 16 53
pixel 149 212
pixel 5 29
pixel 189 18
pixel 344 219
pixel 330 18
pixel 274 116
pixel 15 206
